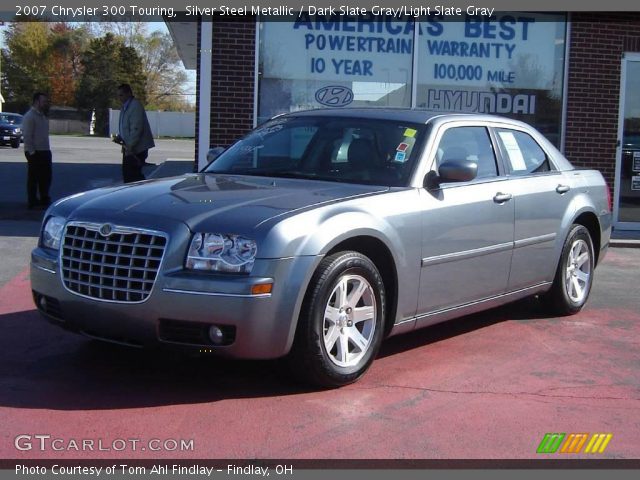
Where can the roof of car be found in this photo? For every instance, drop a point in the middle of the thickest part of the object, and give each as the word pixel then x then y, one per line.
pixel 398 114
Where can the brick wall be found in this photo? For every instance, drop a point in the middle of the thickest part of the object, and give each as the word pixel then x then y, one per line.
pixel 597 43
pixel 233 79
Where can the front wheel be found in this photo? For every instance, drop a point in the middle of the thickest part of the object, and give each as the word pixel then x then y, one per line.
pixel 574 276
pixel 15 143
pixel 342 321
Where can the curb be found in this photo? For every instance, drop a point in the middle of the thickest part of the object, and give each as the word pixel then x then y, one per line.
pixel 622 243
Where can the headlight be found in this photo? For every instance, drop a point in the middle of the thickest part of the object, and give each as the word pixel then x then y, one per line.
pixel 17 130
pixel 52 232
pixel 221 253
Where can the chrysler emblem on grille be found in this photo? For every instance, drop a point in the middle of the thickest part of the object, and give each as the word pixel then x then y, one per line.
pixel 106 229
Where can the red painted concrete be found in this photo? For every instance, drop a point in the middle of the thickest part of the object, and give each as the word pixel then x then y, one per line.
pixel 486 386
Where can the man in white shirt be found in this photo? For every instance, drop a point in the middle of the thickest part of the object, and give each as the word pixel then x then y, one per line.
pixel 35 128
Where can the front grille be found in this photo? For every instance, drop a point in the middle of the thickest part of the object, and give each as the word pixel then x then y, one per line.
pixel 119 267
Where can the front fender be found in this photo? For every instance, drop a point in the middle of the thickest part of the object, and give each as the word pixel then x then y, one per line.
pixel 392 219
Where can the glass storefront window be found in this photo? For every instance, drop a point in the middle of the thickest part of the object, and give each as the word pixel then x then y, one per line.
pixel 510 64
pixel 334 61
pixel 628 200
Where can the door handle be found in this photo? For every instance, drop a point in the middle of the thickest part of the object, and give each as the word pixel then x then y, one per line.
pixel 562 189
pixel 502 197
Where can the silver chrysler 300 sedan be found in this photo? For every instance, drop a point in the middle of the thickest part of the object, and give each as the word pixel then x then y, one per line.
pixel 322 232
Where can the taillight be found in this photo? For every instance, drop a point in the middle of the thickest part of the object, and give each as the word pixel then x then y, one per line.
pixel 609 204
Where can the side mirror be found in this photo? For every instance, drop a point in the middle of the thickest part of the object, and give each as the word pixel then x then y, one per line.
pixel 214 153
pixel 451 171
pixel 458 171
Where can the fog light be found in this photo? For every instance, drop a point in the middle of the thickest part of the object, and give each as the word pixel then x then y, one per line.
pixel 216 335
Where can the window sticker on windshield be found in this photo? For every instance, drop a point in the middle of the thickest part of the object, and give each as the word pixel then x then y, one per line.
pixel 513 151
pixel 410 132
pixel 400 157
pixel 402 147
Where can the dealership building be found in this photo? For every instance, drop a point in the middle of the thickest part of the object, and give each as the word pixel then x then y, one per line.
pixel 575 76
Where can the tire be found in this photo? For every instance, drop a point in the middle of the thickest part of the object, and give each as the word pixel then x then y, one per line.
pixel 15 143
pixel 341 323
pixel 574 276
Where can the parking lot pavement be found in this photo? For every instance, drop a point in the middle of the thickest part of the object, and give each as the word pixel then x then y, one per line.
pixel 486 386
pixel 82 163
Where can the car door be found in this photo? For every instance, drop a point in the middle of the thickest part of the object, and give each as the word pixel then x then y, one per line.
pixel 541 198
pixel 467 227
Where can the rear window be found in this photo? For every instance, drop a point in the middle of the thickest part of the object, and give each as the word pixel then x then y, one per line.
pixel 522 153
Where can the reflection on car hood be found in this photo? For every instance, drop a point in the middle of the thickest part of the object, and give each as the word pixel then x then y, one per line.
pixel 197 198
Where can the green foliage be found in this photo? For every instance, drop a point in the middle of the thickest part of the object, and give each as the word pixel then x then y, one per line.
pixel 107 63
pixel 24 63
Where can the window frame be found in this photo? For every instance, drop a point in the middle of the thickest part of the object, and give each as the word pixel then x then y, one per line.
pixel 504 156
pixel 432 160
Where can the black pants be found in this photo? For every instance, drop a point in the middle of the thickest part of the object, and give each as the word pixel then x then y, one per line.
pixel 38 177
pixel 132 166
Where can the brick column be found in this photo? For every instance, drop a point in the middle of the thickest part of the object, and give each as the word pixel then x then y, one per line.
pixel 597 43
pixel 233 79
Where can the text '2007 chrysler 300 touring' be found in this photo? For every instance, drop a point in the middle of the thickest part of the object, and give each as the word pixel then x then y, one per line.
pixel 322 232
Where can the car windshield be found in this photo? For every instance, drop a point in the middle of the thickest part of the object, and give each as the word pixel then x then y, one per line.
pixel 11 119
pixel 339 149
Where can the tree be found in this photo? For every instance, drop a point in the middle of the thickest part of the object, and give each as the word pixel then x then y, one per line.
pixel 42 57
pixel 24 63
pixel 127 28
pixel 160 63
pixel 107 63
pixel 165 77
pixel 65 68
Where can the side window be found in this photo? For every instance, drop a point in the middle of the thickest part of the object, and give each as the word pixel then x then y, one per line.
pixel 523 154
pixel 468 143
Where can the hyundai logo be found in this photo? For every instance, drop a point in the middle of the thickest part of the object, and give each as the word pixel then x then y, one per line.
pixel 106 229
pixel 334 96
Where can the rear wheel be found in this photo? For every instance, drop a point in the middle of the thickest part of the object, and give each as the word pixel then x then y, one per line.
pixel 342 321
pixel 574 276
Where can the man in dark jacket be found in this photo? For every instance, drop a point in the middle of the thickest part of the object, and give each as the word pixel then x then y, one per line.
pixel 134 135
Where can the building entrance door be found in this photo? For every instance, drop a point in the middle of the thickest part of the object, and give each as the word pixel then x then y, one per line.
pixel 626 208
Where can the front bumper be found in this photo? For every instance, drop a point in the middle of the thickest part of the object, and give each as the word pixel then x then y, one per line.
pixel 9 138
pixel 183 305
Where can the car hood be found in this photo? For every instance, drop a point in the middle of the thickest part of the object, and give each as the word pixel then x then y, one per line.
pixel 199 199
